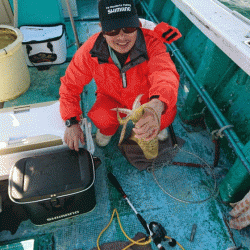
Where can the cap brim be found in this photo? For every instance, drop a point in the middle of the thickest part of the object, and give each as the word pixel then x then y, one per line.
pixel 114 24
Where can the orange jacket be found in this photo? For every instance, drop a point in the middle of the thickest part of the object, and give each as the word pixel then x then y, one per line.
pixel 148 70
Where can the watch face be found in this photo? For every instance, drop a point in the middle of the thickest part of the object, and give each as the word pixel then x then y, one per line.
pixel 67 123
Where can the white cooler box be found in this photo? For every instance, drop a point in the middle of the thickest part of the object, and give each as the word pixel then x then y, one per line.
pixel 44 45
pixel 32 129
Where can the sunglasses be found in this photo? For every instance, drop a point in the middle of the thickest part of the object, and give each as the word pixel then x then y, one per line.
pixel 117 31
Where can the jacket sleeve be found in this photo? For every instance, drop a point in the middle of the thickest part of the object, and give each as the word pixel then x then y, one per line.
pixel 78 74
pixel 167 33
pixel 162 74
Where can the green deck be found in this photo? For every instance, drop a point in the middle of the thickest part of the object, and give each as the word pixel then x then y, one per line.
pixel 81 232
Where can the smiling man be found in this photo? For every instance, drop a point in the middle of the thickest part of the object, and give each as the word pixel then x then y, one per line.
pixel 125 60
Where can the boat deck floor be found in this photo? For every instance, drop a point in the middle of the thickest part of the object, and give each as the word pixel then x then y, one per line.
pixel 178 218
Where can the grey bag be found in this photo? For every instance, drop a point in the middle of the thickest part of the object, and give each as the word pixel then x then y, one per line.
pixel 134 154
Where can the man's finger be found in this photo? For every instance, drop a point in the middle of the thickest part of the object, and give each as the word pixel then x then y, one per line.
pixel 76 143
pixel 151 136
pixel 142 129
pixel 143 121
pixel 148 135
pixel 71 144
pixel 66 137
pixel 82 139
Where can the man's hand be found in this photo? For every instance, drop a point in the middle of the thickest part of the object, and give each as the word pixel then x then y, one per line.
pixel 148 126
pixel 72 136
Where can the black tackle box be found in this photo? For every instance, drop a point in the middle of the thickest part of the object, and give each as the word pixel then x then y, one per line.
pixel 55 185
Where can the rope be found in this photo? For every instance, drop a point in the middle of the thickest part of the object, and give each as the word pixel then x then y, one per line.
pixel 219 131
pixel 130 245
pixel 172 54
pixel 131 240
pixel 176 243
pixel 213 193
pixel 118 218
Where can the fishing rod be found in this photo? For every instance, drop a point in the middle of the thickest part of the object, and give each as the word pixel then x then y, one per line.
pixel 154 229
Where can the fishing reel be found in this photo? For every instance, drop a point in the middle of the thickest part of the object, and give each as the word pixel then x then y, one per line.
pixel 154 229
pixel 159 234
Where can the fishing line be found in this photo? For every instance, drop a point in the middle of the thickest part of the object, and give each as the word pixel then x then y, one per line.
pixel 169 175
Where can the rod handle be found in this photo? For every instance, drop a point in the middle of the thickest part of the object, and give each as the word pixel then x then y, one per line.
pixel 116 184
pixel 143 222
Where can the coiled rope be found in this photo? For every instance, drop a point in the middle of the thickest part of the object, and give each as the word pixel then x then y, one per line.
pixel 131 240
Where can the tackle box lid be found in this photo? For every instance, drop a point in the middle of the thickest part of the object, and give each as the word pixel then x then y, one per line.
pixel 60 173
pixel 38 34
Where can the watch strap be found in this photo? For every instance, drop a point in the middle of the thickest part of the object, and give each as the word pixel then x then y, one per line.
pixel 71 121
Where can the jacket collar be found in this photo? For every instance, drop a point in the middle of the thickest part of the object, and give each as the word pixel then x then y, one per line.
pixel 138 53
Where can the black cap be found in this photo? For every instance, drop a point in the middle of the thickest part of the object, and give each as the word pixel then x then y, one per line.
pixel 115 14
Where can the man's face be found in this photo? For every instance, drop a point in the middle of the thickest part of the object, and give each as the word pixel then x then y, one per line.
pixel 123 42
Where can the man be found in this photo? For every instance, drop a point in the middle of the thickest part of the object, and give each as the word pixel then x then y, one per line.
pixel 125 61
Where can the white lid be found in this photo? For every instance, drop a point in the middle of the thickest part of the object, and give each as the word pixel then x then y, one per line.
pixel 39 34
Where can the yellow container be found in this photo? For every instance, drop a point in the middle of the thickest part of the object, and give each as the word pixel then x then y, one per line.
pixel 14 73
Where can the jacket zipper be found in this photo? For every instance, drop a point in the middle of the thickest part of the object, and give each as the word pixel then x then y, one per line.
pixel 124 80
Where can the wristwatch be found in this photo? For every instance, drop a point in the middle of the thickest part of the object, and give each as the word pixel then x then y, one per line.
pixel 71 121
